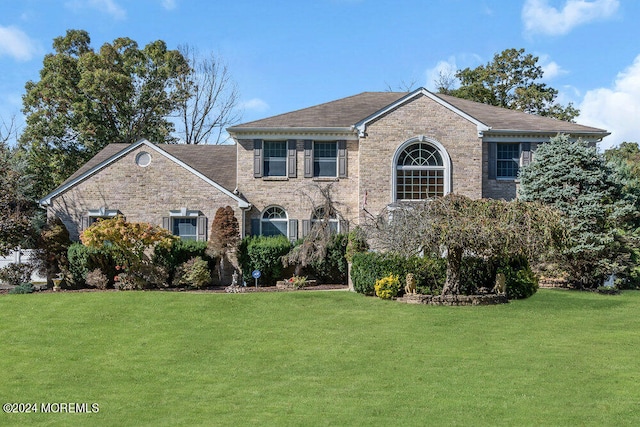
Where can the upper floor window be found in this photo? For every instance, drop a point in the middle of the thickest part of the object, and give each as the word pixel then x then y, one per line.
pixel 275 158
pixel 507 161
pixel 420 172
pixel 325 159
pixel 274 222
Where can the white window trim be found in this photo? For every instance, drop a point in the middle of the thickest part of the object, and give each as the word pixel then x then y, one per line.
pixel 446 161
pixel 183 213
pixel 517 160
pixel 284 177
pixel 285 220
pixel 328 177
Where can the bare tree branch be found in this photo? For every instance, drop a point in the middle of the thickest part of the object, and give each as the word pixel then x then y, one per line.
pixel 212 100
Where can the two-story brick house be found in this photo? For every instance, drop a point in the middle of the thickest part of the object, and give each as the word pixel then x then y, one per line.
pixel 375 149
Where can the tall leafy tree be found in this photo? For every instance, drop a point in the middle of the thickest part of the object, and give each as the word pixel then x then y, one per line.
pixel 511 80
pixel 574 178
pixel 86 99
pixel 15 210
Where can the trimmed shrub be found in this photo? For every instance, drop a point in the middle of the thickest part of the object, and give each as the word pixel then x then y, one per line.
pixel 387 287
pixel 368 267
pixel 180 251
pixel 194 273
pixel 263 253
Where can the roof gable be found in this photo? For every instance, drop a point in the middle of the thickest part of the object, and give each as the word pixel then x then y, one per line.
pixel 196 159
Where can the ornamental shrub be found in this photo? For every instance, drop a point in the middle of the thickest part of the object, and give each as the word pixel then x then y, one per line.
pixel 368 267
pixel 194 273
pixel 24 288
pixel 520 280
pixel 263 253
pixel 16 274
pixel 387 287
pixel 180 251
pixel 83 259
pixel 97 279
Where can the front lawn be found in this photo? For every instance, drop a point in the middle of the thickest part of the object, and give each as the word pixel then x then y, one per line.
pixel 320 358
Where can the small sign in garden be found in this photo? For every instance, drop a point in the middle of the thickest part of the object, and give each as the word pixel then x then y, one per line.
pixel 256 275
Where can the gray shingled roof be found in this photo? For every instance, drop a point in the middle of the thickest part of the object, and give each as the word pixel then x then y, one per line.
pixel 343 112
pixel 216 162
pixel 348 111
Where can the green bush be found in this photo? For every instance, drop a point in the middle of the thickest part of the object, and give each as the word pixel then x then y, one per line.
pixel 333 269
pixel 24 288
pixel 475 273
pixel 520 280
pixel 263 253
pixel 194 273
pixel 83 259
pixel 387 287
pixel 179 252
pixel 368 267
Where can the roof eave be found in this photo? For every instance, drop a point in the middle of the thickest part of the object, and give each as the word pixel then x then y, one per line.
pixel 496 135
pixel 347 132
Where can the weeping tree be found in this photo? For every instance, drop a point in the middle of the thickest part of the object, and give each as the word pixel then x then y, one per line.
pixel 456 226
pixel 318 240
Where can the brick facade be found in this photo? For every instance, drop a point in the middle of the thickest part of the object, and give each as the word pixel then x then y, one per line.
pixel 141 194
pixel 372 128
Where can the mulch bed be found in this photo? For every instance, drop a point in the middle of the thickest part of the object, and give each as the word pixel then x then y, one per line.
pixel 213 289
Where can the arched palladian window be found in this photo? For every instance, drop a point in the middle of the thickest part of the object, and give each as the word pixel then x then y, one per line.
pixel 274 222
pixel 421 170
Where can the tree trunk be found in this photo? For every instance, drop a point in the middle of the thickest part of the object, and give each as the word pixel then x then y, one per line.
pixel 454 265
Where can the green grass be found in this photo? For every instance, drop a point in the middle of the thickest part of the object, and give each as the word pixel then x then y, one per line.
pixel 321 358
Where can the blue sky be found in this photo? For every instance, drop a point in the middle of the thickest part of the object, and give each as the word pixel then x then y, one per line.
pixel 285 55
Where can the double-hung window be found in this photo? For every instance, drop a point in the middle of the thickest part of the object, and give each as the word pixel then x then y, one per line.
pixel 507 161
pixel 325 159
pixel 275 158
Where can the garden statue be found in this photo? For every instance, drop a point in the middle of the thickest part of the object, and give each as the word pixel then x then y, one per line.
pixel 410 287
pixel 500 287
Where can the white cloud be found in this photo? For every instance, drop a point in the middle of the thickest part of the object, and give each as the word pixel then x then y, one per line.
pixel 446 68
pixel 617 109
pixel 106 6
pixel 169 4
pixel 15 43
pixel 551 69
pixel 539 17
pixel 255 104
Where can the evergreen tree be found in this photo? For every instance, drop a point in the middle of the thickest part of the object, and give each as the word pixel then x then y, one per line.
pixel 574 178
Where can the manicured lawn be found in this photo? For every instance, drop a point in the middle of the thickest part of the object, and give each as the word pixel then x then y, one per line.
pixel 320 358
